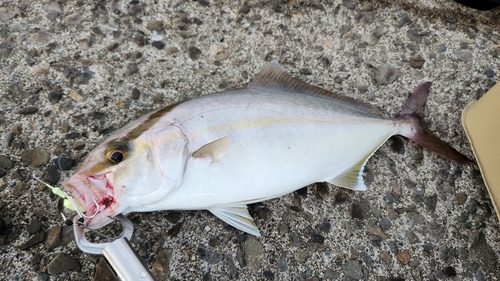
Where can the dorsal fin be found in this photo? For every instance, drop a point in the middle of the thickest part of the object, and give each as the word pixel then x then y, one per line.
pixel 274 76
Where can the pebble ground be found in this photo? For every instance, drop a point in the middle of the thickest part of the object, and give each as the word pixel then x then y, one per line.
pixel 73 71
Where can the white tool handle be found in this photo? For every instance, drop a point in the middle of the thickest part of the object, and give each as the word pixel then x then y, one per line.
pixel 125 261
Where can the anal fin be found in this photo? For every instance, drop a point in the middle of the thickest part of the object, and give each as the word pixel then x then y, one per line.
pixel 352 178
pixel 237 216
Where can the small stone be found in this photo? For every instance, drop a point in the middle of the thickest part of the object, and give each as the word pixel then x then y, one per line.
pixel 63 263
pixel 37 258
pixel 72 135
pixel 353 269
pixel 301 256
pixel 244 9
pixel 156 25
pixel 460 198
pixel 379 31
pixel 36 239
pixel 73 19
pixel 417 62
pixel 103 272
pixel 97 115
pixel 390 197
pixel 367 39
pixel 482 253
pixel 385 257
pixel 325 226
pixel 6 16
pixel 348 4
pixel 317 238
pixel 5 163
pixel 67 235
pixel 403 257
pixel 97 32
pixel 413 35
pixel 30 61
pixel 19 27
pixel 385 74
pixel 352 254
pixel 136 94
pixel 34 227
pixel 113 46
pixel 76 96
pixel 171 50
pixel 64 163
pixel 357 212
pixel 341 197
pixel 431 202
pixel 375 230
pixel 84 43
pixel 161 265
pixel 54 97
pixel 403 19
pixel 41 37
pixel 268 274
pixel 140 40
pixel 361 84
pixel 412 237
pixel 53 239
pixel 52 174
pixel 35 157
pixel 254 254
pixel 131 69
pixel 194 53
pixel 53 6
pixel 52 15
pixel 385 224
pixel 28 110
pixel 173 216
pixel 13 235
pixel 296 241
pixel 19 189
pixel 449 271
pixel 156 36
pixel 490 72
pixel 158 45
pixel 464 56
pixel 204 2
pixel 233 271
pixel 218 52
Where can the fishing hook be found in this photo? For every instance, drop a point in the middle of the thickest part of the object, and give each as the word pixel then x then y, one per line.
pixel 68 196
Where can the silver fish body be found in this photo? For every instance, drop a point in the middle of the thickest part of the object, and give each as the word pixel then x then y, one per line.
pixel 223 151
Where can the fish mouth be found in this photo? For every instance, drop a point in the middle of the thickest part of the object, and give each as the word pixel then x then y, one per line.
pixel 92 196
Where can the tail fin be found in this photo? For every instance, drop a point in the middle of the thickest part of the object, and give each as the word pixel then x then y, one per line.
pixel 412 113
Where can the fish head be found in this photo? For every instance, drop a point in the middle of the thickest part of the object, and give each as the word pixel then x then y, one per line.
pixel 124 175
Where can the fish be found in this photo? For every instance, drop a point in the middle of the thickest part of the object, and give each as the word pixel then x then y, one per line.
pixel 223 151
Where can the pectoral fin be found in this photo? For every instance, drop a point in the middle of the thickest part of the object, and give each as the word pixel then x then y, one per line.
pixel 214 150
pixel 237 216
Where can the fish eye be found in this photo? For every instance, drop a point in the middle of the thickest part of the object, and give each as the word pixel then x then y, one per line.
pixel 116 157
pixel 117 152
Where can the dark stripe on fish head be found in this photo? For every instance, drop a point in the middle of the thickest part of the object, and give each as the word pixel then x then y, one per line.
pixel 148 123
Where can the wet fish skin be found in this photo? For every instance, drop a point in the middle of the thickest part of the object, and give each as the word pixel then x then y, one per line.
pixel 223 151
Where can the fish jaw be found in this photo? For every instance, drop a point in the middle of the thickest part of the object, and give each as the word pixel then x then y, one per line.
pixel 97 196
